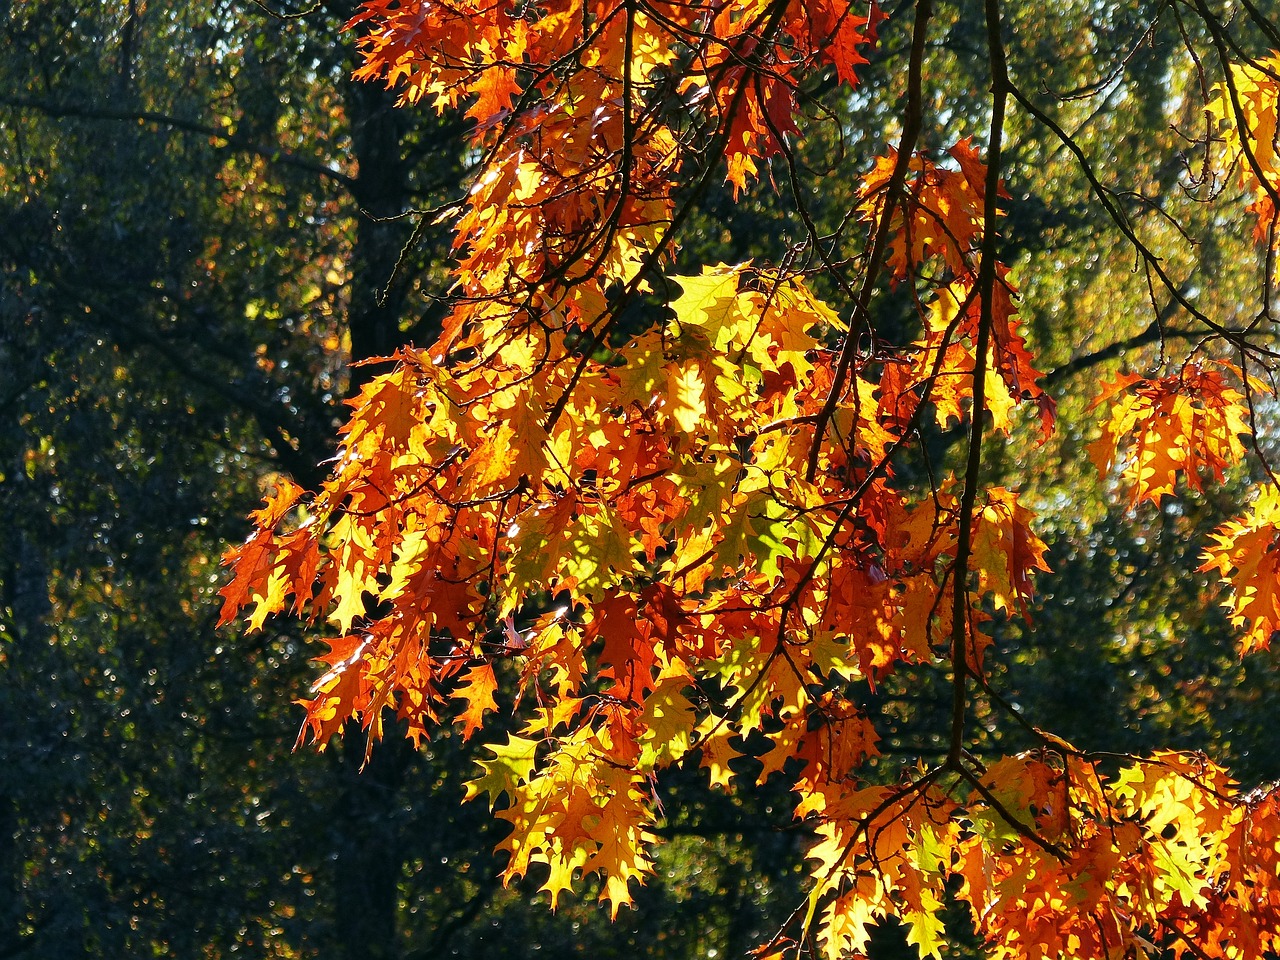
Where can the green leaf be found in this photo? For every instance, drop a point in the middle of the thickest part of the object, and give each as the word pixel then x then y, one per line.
pixel 599 553
pixel 511 765
pixel 709 303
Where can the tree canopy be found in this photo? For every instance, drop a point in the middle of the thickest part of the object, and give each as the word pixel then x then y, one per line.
pixel 668 515
pixel 199 217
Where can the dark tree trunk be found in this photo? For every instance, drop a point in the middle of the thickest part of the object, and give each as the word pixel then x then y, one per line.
pixel 381 192
pixel 368 848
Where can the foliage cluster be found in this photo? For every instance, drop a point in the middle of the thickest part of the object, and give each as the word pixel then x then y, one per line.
pixel 700 513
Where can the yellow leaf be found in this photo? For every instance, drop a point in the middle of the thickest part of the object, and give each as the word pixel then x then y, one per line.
pixel 669 720
pixel 925 929
pixel 709 303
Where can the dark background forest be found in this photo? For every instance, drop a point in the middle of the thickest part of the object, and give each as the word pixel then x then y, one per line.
pixel 204 226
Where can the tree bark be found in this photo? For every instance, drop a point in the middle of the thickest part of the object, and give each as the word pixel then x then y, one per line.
pixel 383 226
pixel 367 844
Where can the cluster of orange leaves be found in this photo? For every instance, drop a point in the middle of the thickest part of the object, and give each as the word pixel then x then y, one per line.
pixel 674 546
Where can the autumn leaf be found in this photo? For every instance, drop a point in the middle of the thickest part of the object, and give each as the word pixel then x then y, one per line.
pixel 1245 111
pixel 512 765
pixel 477 689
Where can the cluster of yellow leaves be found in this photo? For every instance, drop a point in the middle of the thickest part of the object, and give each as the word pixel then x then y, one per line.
pixel 1245 111
pixel 683 542
pixel 707 589
pixel 1244 550
pixel 1164 852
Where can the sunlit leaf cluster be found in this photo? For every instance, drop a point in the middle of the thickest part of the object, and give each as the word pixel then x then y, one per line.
pixel 668 508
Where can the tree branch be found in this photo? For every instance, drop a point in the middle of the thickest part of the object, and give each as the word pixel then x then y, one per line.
pixel 986 319
pixel 228 140
pixel 911 123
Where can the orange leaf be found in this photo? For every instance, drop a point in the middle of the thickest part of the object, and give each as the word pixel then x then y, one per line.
pixel 477 689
